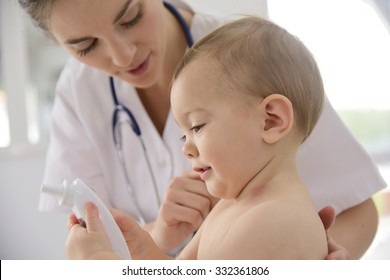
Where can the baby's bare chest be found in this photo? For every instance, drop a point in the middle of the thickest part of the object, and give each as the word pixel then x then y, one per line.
pixel 217 230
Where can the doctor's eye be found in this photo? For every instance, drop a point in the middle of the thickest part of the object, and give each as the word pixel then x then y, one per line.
pixel 135 19
pixel 85 51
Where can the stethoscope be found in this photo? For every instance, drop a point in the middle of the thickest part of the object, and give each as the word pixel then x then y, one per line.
pixel 122 116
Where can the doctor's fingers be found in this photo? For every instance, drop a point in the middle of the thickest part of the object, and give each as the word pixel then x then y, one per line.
pixel 336 252
pixel 327 216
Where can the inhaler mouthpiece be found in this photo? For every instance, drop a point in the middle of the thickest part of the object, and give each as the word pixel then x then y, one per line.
pixel 59 191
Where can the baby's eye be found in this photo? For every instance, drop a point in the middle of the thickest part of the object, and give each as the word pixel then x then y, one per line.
pixel 183 138
pixel 196 128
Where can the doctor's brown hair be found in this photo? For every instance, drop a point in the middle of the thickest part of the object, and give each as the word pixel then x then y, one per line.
pixel 260 58
pixel 39 11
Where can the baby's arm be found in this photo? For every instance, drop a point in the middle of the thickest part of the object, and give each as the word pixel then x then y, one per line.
pixel 259 235
pixel 92 242
pixel 190 251
pixel 185 206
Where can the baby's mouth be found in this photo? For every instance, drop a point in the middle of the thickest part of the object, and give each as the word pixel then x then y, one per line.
pixel 202 172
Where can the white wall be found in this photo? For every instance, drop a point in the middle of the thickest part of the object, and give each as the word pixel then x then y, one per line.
pixel 258 7
pixel 26 233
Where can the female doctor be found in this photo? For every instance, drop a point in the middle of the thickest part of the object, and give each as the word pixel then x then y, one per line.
pixel 113 128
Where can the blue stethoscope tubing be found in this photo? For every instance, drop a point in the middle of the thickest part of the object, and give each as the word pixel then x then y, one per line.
pixel 118 108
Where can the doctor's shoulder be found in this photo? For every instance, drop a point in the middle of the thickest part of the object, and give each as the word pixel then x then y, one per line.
pixel 78 80
pixel 76 72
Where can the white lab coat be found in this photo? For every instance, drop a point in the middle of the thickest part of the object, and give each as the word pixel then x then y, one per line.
pixel 334 166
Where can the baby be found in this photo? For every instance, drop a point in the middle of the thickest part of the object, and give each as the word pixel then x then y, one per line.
pixel 246 97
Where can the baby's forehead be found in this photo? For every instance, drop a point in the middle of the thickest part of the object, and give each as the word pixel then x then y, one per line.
pixel 199 71
pixel 204 61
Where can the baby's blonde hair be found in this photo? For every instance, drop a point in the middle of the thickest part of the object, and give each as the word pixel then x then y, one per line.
pixel 260 58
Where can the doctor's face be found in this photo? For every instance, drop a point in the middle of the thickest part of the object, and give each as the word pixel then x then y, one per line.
pixel 124 38
pixel 220 126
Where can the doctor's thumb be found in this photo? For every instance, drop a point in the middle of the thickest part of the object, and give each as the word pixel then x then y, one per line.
pixel 327 216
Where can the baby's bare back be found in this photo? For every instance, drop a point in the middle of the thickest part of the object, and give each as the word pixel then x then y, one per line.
pixel 272 227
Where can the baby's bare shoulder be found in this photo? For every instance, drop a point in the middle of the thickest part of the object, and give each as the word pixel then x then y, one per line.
pixel 278 230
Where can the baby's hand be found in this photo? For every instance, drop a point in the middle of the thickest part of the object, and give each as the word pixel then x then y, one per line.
pixel 91 242
pixel 139 242
pixel 185 206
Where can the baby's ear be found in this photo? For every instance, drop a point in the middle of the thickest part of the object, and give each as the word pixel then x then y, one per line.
pixel 278 117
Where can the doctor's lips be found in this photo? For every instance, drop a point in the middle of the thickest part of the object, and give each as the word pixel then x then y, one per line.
pixel 140 69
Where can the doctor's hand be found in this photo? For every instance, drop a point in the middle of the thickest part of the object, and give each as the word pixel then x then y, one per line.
pixel 185 206
pixel 89 242
pixel 335 251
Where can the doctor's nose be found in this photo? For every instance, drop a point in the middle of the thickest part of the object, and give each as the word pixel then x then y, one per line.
pixel 190 150
pixel 122 53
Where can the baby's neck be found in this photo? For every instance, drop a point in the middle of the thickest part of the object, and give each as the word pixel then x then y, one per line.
pixel 279 173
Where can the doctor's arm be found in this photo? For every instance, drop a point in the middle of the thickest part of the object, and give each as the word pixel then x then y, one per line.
pixel 355 229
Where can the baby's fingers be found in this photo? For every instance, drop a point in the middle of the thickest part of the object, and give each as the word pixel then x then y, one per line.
pixel 72 221
pixel 125 222
pixel 92 218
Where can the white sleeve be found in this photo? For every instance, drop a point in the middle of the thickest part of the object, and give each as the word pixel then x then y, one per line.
pixel 70 154
pixel 335 167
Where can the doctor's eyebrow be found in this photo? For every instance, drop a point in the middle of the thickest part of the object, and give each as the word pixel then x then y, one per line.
pixel 118 17
pixel 122 11
pixel 77 40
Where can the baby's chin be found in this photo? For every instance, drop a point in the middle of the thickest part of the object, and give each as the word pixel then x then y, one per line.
pixel 218 191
